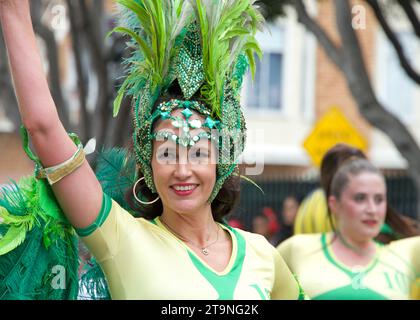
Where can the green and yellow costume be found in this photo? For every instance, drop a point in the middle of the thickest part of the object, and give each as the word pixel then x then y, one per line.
pixel 143 260
pixel 204 47
pixel 393 273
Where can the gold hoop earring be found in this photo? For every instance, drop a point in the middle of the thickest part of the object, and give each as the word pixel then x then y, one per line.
pixel 135 196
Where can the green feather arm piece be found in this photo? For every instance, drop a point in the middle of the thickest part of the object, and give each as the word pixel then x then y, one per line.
pixel 35 238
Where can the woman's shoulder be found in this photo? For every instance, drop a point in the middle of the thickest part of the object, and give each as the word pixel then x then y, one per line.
pixel 127 217
pixel 254 241
pixel 296 248
pixel 303 239
pixel 250 236
pixel 407 249
pixel 302 244
pixel 406 243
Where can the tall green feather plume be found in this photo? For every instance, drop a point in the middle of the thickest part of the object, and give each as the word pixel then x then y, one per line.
pixel 227 26
pixel 153 26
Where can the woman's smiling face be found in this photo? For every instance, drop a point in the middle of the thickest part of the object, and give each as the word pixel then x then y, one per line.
pixel 184 177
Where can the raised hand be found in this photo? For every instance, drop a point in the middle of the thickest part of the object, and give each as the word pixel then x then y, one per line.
pixel 79 194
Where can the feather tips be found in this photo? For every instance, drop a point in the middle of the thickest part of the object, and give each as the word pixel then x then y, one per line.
pixel 226 26
pixel 14 237
pixel 153 33
pixel 227 29
pixel 116 171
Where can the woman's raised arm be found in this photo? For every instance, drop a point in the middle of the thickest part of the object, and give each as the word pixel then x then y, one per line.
pixel 79 193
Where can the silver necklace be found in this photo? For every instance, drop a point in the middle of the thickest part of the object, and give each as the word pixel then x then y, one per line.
pixel 204 250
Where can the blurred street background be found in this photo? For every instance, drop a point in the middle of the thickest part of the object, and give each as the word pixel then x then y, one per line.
pixel 332 71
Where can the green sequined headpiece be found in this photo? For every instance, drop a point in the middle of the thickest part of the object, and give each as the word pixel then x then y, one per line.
pixel 206 46
pixel 184 123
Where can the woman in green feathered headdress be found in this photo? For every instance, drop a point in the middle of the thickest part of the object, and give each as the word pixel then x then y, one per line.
pixel 184 80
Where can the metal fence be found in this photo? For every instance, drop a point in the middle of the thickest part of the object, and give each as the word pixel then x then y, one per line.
pixel 401 195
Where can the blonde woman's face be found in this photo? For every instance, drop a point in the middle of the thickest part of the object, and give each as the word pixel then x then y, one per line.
pixel 361 208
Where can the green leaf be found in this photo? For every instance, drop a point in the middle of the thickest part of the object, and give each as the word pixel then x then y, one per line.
pixel 140 12
pixel 12 239
pixel 239 31
pixel 251 61
pixel 147 51
pixel 13 219
pixel 252 44
pixel 202 16
pixel 119 98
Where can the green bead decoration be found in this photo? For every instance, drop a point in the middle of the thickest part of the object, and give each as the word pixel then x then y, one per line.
pixel 187 113
pixel 165 115
pixel 209 123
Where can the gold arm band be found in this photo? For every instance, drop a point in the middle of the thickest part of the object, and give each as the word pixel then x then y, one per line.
pixel 59 171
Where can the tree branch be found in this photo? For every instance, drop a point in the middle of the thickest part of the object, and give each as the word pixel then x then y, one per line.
pixel 85 132
pixel 52 54
pixel 94 38
pixel 333 52
pixel 411 15
pixel 369 106
pixel 354 67
pixel 123 125
pixel 405 64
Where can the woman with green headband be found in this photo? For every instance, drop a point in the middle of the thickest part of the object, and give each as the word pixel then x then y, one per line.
pixel 184 80
pixel 347 263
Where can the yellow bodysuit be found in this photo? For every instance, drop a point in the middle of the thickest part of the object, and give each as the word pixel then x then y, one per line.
pixel 141 259
pixel 392 274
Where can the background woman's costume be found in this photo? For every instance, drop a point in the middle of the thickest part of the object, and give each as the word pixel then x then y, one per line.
pixel 204 47
pixel 393 273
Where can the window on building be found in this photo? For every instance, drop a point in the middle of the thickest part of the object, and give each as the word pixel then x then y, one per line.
pixel 395 89
pixel 265 91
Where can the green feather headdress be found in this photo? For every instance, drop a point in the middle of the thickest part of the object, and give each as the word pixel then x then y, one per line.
pixel 204 45
pixel 153 26
pixel 227 30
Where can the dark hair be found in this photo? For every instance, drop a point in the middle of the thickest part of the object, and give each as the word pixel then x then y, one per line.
pixel 333 159
pixel 401 225
pixel 297 196
pixel 222 205
pixel 175 92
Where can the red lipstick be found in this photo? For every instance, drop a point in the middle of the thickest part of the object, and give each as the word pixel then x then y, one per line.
pixel 183 189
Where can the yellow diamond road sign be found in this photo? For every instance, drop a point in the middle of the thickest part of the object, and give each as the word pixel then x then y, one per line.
pixel 331 129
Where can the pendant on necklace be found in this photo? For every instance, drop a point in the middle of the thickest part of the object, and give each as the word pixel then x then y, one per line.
pixel 205 251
